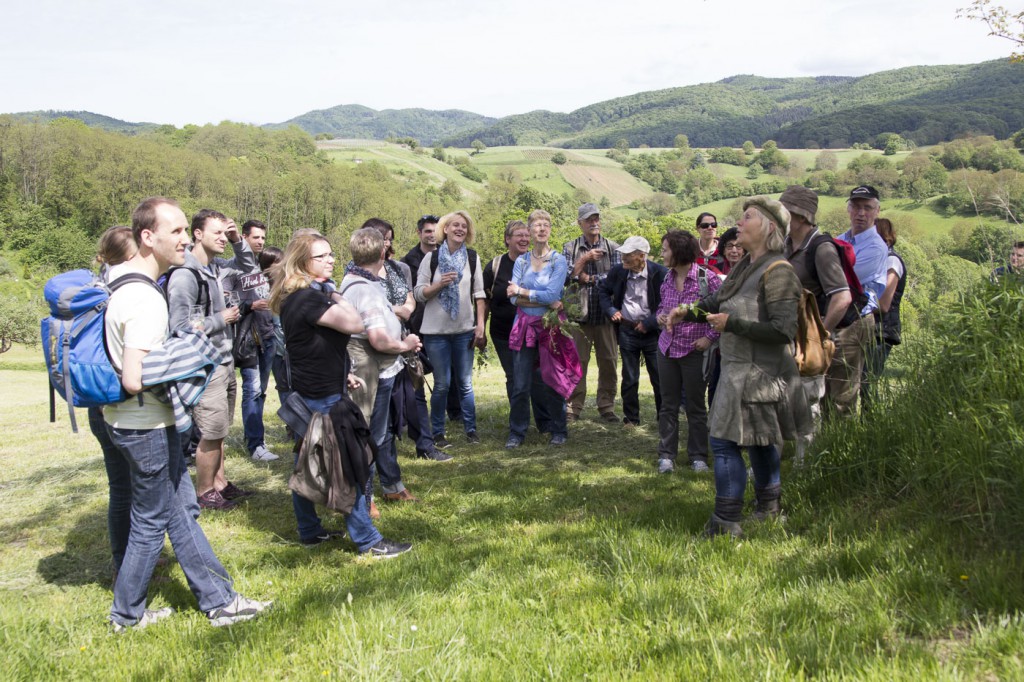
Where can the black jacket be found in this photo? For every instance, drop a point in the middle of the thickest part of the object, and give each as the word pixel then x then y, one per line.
pixel 612 291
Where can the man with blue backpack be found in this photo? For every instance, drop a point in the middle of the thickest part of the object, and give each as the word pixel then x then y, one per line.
pixel 196 298
pixel 143 429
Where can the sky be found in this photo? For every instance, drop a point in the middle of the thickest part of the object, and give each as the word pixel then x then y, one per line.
pixel 266 61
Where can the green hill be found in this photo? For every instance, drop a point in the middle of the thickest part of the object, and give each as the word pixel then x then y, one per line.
pixel 356 121
pixel 88 118
pixel 926 104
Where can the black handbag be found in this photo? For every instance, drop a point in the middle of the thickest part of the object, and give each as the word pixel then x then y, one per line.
pixel 295 413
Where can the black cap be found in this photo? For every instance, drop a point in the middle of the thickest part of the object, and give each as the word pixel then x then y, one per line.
pixel 864 192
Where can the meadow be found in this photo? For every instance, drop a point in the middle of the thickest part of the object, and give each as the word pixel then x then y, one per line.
pixel 591 171
pixel 543 563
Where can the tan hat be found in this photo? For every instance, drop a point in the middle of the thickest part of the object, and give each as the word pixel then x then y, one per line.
pixel 801 201
pixel 633 244
pixel 772 208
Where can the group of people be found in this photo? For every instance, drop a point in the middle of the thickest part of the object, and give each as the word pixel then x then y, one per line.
pixel 713 324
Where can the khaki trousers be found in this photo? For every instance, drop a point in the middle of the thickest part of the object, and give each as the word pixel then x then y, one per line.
pixel 602 338
pixel 844 374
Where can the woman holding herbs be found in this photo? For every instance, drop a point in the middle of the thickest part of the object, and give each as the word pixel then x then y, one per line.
pixel 760 401
pixel 538 278
pixel 681 349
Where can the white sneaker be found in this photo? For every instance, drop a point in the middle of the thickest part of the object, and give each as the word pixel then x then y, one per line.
pixel 149 617
pixel 665 466
pixel 699 466
pixel 238 610
pixel 261 454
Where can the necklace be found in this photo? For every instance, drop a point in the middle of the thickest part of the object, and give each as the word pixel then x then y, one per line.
pixel 543 258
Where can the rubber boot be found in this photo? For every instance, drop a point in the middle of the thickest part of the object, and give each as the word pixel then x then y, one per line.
pixel 768 503
pixel 726 518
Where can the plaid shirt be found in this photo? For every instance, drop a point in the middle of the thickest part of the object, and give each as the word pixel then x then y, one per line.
pixel 594 313
pixel 679 342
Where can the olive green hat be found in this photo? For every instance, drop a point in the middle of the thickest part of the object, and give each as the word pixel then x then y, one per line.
pixel 772 208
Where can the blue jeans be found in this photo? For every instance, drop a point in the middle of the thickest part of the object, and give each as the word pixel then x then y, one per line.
pixel 631 346
pixel 387 450
pixel 254 393
pixel 359 525
pixel 119 483
pixel 731 472
pixel 163 503
pixel 526 381
pixel 507 358
pixel 451 354
pixel 280 372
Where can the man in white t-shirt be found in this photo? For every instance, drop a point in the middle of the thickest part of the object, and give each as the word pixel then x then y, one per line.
pixel 163 499
pixel 375 353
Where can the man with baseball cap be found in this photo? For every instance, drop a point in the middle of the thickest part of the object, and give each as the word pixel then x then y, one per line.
pixel 815 259
pixel 630 296
pixel 852 341
pixel 590 258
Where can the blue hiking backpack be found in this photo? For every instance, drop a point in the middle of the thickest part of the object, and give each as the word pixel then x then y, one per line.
pixel 74 339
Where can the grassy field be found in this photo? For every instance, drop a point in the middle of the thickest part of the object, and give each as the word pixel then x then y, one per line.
pixel 543 563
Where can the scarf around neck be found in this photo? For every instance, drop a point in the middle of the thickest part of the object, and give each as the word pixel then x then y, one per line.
pixel 451 262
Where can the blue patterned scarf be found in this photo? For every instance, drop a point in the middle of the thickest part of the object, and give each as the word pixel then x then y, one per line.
pixel 451 262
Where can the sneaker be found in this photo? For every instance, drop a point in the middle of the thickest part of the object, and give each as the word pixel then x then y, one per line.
pixel 473 438
pixel 441 443
pixel 237 610
pixel 387 549
pixel 215 501
pixel 512 443
pixel 434 454
pixel 699 466
pixel 233 492
pixel 149 617
pixel 666 466
pixel 320 539
pixel 262 454
pixel 557 440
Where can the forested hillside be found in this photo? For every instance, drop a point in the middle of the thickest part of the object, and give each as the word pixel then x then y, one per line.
pixel 925 104
pixel 355 121
pixel 90 119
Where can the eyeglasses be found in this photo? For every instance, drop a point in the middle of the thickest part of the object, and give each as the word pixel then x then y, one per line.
pixel 706 226
pixel 322 256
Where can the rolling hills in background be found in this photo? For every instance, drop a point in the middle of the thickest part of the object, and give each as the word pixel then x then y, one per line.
pixel 925 104
pixel 356 121
pixel 90 119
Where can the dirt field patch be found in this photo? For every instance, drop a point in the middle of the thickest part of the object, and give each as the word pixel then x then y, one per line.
pixel 615 183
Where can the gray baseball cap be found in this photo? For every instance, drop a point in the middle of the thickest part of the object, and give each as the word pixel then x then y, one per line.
pixel 587 210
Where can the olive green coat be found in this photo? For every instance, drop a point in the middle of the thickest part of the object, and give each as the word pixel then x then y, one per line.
pixel 759 399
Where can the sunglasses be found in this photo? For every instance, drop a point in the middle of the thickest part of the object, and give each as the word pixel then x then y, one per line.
pixel 430 219
pixel 707 226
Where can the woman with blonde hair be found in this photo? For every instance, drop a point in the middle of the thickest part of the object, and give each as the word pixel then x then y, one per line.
pixel 759 401
pixel 317 325
pixel 450 284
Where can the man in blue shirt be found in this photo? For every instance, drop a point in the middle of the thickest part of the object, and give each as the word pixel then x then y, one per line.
pixel 843 383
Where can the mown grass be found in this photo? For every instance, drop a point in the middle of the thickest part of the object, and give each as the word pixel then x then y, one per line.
pixel 540 563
